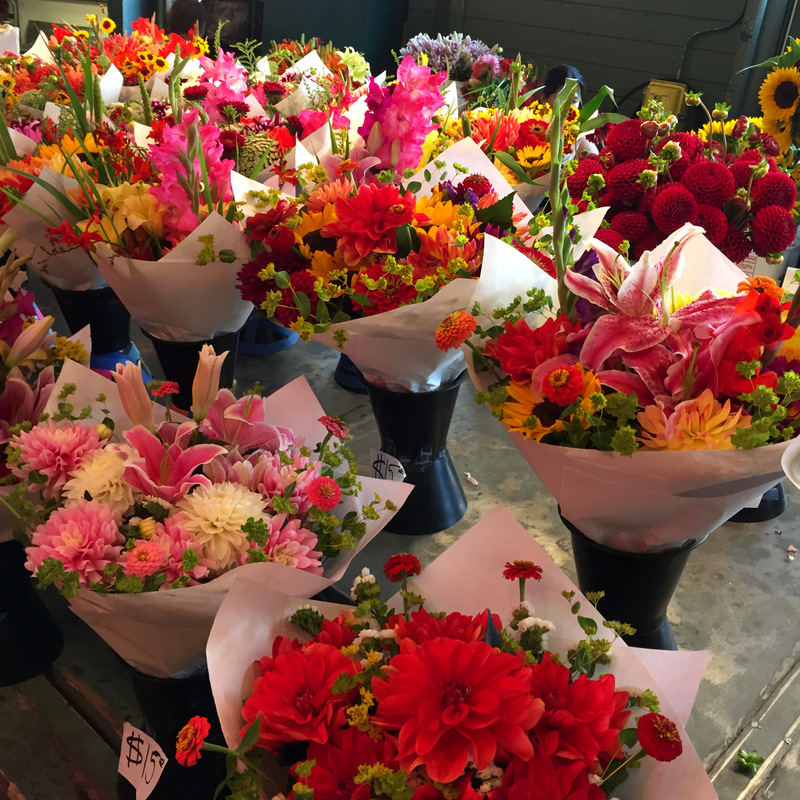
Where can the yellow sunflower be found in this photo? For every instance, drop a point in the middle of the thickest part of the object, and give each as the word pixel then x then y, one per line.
pixel 780 93
pixel 781 130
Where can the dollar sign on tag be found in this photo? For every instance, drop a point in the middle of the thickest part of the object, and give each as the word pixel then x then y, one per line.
pixel 134 755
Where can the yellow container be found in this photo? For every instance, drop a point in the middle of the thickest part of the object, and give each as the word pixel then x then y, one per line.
pixel 671 95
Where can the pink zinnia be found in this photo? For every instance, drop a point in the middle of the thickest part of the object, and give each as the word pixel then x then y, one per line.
pixel 293 545
pixel 324 493
pixel 55 452
pixel 166 387
pixel 336 427
pixel 144 559
pixel 83 537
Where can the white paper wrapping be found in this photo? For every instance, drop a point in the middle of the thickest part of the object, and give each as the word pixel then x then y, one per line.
pixel 164 633
pixel 175 299
pixel 251 616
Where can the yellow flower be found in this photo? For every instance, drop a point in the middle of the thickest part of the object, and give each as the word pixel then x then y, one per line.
pixel 534 157
pixel 108 25
pixel 781 130
pixel 91 19
pixel 440 212
pixel 697 424
pixel 780 93
pixel 726 125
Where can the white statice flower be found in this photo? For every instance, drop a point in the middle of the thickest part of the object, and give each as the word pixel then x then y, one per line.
pixel 214 517
pixel 365 577
pixel 101 476
pixel 534 622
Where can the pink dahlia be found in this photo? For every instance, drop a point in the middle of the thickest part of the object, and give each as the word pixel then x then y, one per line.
pixel 291 544
pixel 83 537
pixel 175 540
pixel 55 452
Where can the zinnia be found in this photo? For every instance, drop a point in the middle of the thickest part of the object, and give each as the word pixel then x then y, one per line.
pixel 324 493
pixel 659 737
pixel 190 741
pixel 454 330
pixel 452 701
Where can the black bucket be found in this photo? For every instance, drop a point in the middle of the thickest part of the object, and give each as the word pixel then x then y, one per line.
pixel 413 427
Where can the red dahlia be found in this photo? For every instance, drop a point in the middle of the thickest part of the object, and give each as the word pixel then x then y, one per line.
pixel 713 221
pixel 774 230
pixel 709 182
pixel 578 181
pixel 659 737
pixel 623 180
pixel 691 149
pixel 287 311
pixel 402 565
pixel 774 189
pixel 625 140
pixel 735 246
pixel 647 242
pixel 673 206
pixel 422 627
pixel 610 237
pixel 631 225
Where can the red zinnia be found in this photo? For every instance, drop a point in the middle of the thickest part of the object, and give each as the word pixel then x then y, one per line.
pixel 324 493
pixel 165 388
pixel 451 701
pixel 659 737
pixel 396 293
pixel 522 570
pixel 368 222
pixel 673 206
pixel 402 565
pixel 336 427
pixel 773 230
pixel 190 741
pixel 454 330
pixel 563 385
pixel 294 698
pixel 709 182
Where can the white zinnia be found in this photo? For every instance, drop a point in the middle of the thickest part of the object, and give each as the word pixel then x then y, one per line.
pixel 214 517
pixel 101 476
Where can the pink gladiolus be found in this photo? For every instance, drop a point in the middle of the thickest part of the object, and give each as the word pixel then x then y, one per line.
pixel 242 423
pixel 133 394
pixel 167 469
pixel 31 342
pixel 205 386
pixel 83 536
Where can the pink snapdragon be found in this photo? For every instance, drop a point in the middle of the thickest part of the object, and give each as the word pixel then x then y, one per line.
pixel 54 452
pixel 83 536
pixel 400 116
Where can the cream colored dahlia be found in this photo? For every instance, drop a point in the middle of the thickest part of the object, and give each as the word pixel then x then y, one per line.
pixel 101 476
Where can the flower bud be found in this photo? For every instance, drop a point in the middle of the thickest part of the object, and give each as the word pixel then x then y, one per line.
pixel 649 129
pixel 719 114
pixel 740 127
pixel 103 431
pixel 663 129
pixel 147 528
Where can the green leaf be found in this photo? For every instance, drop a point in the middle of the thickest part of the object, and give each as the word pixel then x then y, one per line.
pixel 498 214
pixel 600 120
pixel 303 304
pixel 361 299
pixel 588 625
pixel 250 736
pixel 509 161
pixel 414 187
pixel 592 105
pixel 282 279
pixel 227 256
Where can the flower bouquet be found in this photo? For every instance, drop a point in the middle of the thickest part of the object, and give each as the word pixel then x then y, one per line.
pixel 668 411
pixel 144 525
pixel 365 702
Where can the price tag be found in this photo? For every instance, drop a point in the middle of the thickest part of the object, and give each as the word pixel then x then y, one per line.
pixel 141 761
pixel 386 467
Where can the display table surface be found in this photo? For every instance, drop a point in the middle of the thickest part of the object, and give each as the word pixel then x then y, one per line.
pixel 739 598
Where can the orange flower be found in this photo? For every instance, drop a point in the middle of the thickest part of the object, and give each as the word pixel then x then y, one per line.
pixel 761 283
pixel 454 330
pixel 190 741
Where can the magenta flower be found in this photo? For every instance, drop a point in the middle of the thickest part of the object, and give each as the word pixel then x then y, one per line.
pixel 242 423
pixel 167 469
pixel 83 536
pixel 54 452
pixel 293 545
pixel 19 402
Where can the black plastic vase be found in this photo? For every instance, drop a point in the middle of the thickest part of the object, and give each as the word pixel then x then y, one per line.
pixel 166 705
pixel 108 320
pixel 179 362
pixel 348 376
pixel 771 505
pixel 30 639
pixel 413 427
pixel 638 586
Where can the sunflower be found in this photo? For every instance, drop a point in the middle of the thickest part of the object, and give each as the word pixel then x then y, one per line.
pixel 780 93
pixel 108 25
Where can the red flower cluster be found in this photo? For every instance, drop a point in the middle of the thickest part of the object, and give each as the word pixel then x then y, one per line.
pixel 653 183
pixel 402 565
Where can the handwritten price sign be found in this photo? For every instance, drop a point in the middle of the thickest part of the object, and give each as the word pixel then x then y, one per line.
pixel 141 761
pixel 386 467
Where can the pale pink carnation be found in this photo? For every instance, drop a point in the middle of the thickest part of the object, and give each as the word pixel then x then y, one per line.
pixel 55 452
pixel 144 559
pixel 83 536
pixel 293 545
pixel 175 540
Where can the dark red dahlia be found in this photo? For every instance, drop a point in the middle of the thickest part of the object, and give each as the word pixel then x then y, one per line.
pixel 735 246
pixel 623 179
pixel 742 168
pixel 774 230
pixel 610 237
pixel 287 311
pixel 626 141
pixel 691 150
pixel 713 221
pixel 673 206
pixel 774 189
pixel 770 144
pixel 647 242
pixel 631 225
pixel 709 182
pixel 578 181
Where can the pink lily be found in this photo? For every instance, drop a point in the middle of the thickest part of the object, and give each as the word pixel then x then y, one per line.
pixel 242 423
pixel 205 386
pixel 635 298
pixel 167 469
pixel 31 342
pixel 19 402
pixel 135 399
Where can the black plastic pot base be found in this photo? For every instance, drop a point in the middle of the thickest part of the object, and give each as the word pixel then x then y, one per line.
pixel 348 376
pixel 661 638
pixel 773 504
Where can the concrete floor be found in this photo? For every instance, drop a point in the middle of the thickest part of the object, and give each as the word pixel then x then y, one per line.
pixel 739 598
